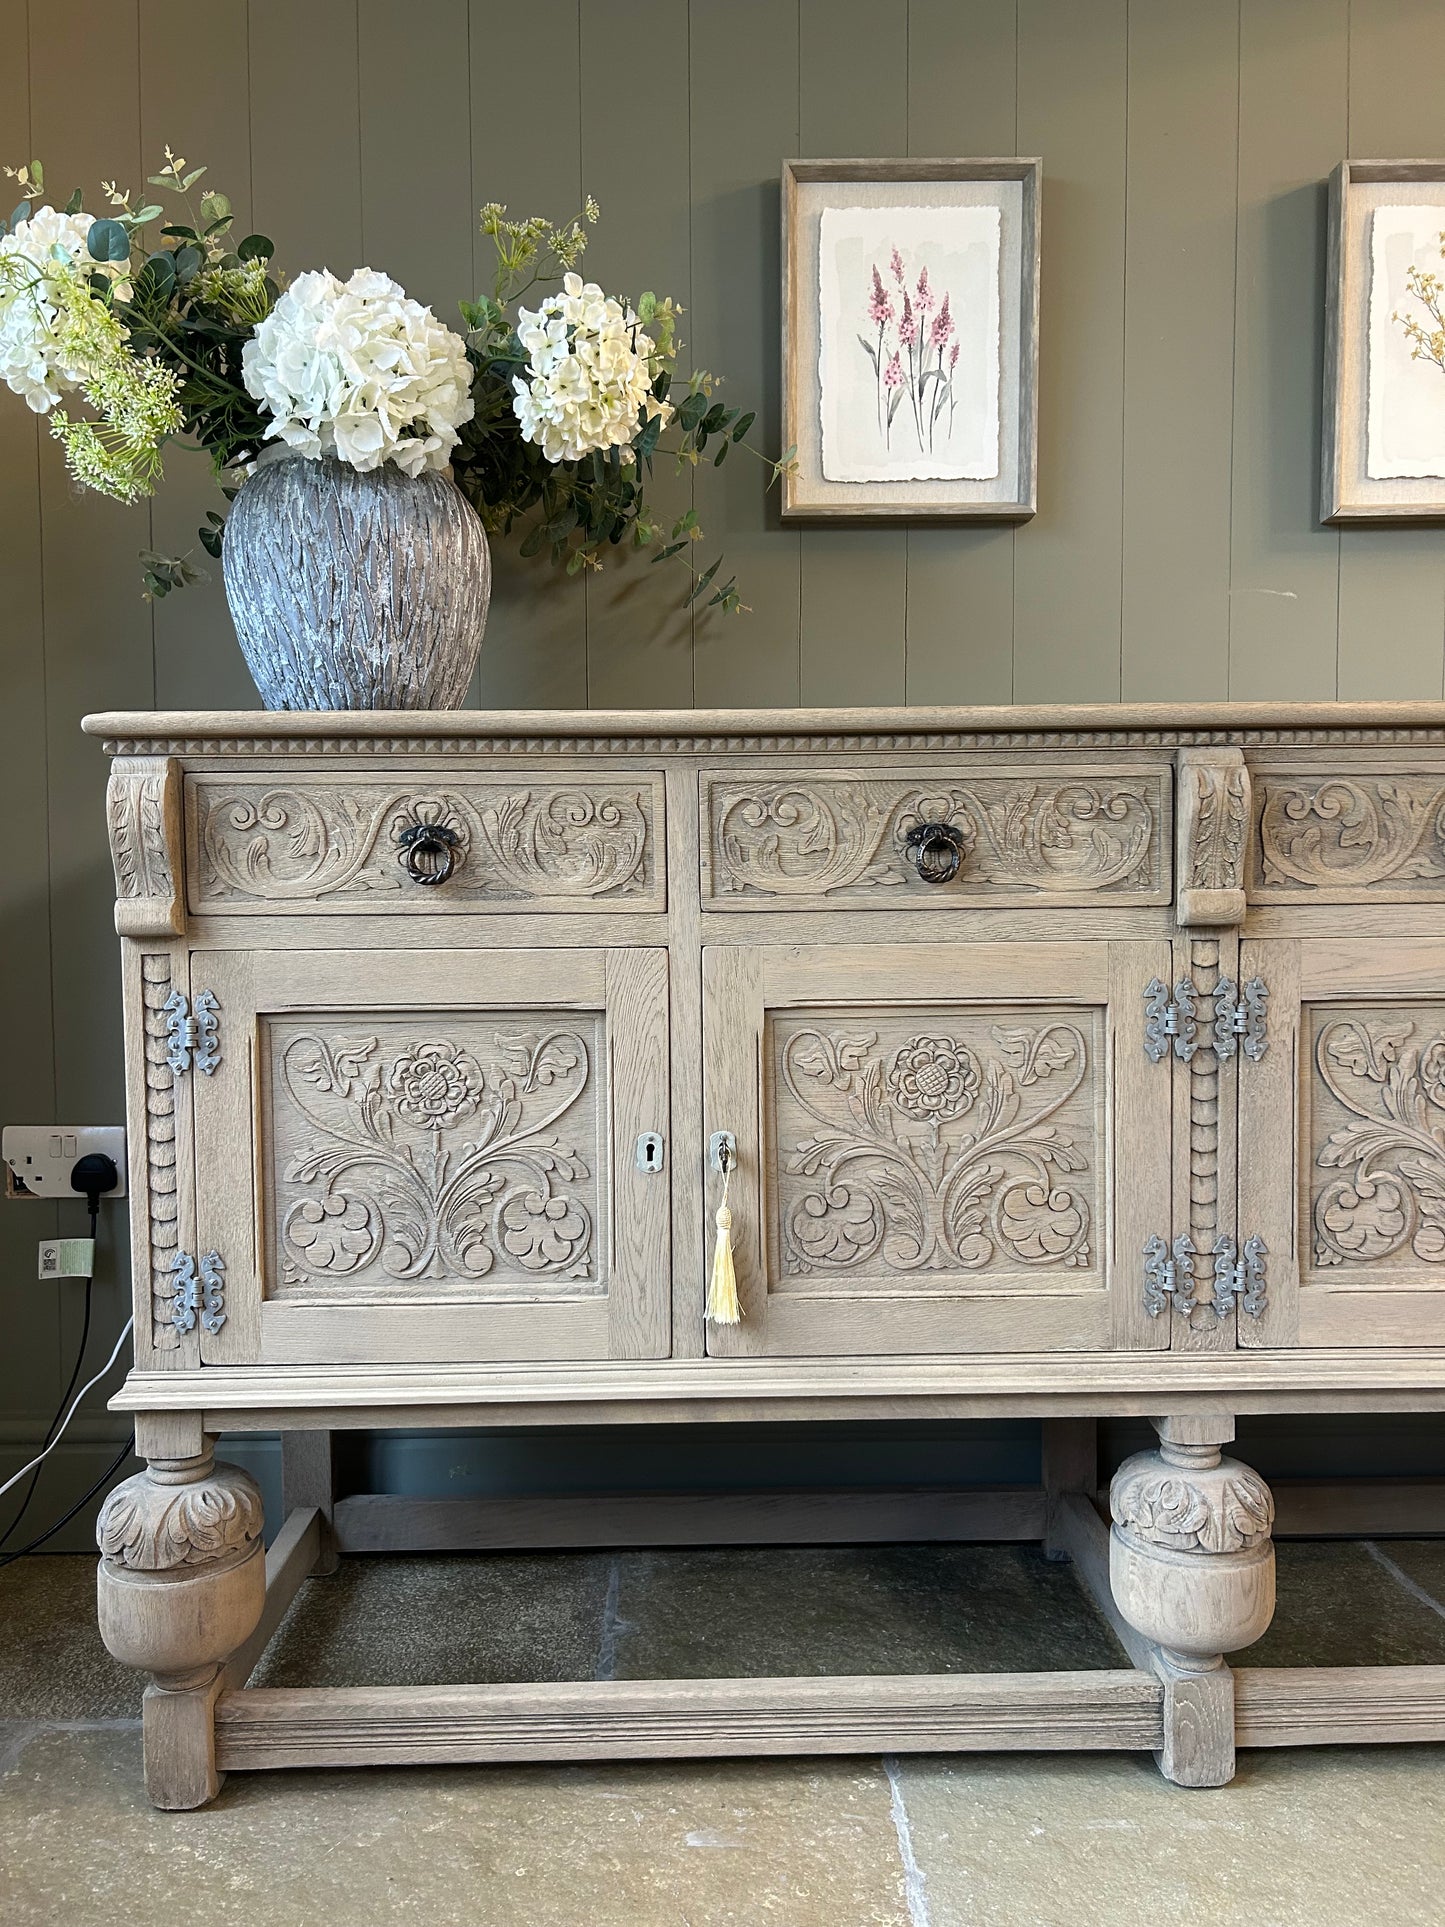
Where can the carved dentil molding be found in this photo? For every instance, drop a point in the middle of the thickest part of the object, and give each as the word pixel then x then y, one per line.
pixel 149 1524
pixel 1213 1509
pixel 143 811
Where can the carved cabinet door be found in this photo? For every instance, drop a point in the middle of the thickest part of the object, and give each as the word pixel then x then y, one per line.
pixel 1342 1143
pixel 414 1156
pixel 941 1147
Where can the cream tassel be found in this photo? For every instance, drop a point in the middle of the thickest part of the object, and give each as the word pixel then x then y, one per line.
pixel 722 1290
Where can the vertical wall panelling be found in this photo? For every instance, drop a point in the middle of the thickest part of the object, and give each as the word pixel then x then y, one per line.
pixel 744 60
pixel 85 125
pixel 1284 570
pixel 639 633
pixel 1072 110
pixel 1179 338
pixel 1392 581
pixel 527 153
pixel 27 1070
pixel 198 665
pixel 306 133
pixel 855 580
pixel 962 102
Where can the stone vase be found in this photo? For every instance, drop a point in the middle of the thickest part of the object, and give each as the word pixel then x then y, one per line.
pixel 356 591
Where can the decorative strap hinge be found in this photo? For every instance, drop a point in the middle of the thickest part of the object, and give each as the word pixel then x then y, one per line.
pixel 1241 1016
pixel 192 1032
pixel 1172 1023
pixel 200 1292
pixel 1169 1275
pixel 1239 1275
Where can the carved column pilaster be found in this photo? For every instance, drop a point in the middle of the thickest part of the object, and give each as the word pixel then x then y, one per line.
pixel 1212 827
pixel 143 811
pixel 181 1586
pixel 1191 1566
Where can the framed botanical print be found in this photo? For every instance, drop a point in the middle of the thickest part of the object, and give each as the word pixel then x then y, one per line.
pixel 1384 413
pixel 910 338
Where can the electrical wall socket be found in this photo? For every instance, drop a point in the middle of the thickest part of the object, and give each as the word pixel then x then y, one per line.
pixel 39 1158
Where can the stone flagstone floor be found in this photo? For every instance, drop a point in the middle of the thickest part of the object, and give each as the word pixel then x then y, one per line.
pixel 1327 1838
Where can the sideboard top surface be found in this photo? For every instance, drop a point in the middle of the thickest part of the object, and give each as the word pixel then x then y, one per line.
pixel 712 731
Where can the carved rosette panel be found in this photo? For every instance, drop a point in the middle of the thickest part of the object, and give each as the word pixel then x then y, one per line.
pixel 582 843
pixel 153 1523
pixel 1342 836
pixel 923 1144
pixel 143 811
pixel 163 1201
pixel 1221 1508
pixel 1376 1172
pixel 467 1153
pixel 843 838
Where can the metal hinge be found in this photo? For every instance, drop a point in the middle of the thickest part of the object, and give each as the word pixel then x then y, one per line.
pixel 1240 1275
pixel 199 1294
pixel 1173 1023
pixel 192 1032
pixel 1167 1276
pixel 1241 1018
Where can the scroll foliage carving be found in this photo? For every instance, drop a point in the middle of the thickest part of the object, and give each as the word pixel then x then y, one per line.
pixel 1228 1508
pixel 421 1155
pixel 1356 833
pixel 931 1152
pixel 151 1525
pixel 280 844
pixel 163 1201
pixel 1386 1076
pixel 825 836
pixel 1219 827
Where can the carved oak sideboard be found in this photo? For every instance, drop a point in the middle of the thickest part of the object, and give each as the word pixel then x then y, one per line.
pixel 1069 1063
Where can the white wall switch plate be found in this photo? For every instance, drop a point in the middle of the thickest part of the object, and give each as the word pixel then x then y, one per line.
pixel 67 1258
pixel 39 1158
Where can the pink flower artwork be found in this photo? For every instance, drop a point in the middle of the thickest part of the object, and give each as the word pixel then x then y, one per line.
pixel 927 381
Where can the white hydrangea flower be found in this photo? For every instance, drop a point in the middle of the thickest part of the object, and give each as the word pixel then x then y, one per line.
pixel 588 384
pixel 356 369
pixel 31 359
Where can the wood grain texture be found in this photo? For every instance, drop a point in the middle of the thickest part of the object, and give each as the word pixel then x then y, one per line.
pixel 1073 66
pixel 641 1719
pixel 291 1557
pixel 1338 1705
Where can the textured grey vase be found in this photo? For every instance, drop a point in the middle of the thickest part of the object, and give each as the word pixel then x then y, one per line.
pixel 356 591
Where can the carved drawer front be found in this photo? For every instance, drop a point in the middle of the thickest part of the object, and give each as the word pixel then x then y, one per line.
pixel 542 842
pixel 930 1141
pixel 435 1156
pixel 1354 1082
pixel 1351 837
pixel 936 837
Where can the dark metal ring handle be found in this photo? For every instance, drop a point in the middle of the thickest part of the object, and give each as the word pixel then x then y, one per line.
pixel 937 849
pixel 429 851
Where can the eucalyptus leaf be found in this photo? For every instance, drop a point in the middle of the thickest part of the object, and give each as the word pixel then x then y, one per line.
pixel 700 586
pixel 21 213
pixel 256 247
pixel 74 204
pixel 108 241
pixel 744 424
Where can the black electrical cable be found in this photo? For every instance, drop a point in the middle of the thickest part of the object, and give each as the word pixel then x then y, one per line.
pixel 60 1410
pixel 85 1498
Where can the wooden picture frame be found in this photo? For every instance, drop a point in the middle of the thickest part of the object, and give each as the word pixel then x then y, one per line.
pixel 1371 428
pixel 967 432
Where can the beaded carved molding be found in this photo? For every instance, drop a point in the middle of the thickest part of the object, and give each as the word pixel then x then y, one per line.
pixel 935 1146
pixel 1333 838
pixel 563 842
pixel 1376 1169
pixel 1024 837
pixel 411 1154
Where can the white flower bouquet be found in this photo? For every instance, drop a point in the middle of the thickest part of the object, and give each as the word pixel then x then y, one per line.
pixel 138 328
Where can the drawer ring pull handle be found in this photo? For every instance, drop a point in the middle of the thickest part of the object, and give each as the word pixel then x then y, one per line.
pixel 429 851
pixel 937 849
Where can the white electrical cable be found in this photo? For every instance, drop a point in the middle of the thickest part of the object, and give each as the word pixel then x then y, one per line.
pixel 16 1477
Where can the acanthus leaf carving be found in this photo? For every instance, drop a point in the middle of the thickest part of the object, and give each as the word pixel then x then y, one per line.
pixel 426 1156
pixel 152 1523
pixel 929 1154
pixel 1363 832
pixel 1224 1508
pixel 143 810
pixel 277 843
pixel 1388 1081
pixel 826 836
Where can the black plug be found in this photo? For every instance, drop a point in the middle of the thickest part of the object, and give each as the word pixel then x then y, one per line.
pixel 94 1175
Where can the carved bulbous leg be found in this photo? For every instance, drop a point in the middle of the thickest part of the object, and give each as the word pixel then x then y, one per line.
pixel 181 1586
pixel 1191 1565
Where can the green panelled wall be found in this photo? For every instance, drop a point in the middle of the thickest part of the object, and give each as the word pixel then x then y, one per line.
pixel 1176 552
